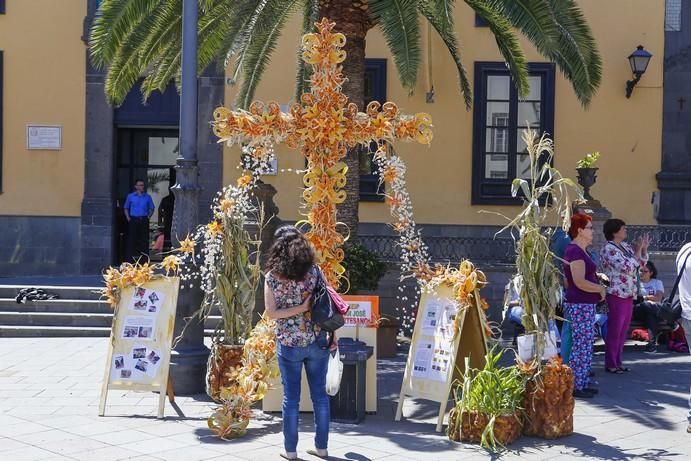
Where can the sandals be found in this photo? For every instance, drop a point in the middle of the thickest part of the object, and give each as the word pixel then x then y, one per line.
pixel 617 371
pixel 625 369
pixel 289 455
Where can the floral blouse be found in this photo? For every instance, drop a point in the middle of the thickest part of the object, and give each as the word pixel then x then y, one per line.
pixel 622 269
pixel 298 330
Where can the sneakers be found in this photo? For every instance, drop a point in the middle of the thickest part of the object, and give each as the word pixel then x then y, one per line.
pixel 651 347
pixel 319 453
pixel 688 428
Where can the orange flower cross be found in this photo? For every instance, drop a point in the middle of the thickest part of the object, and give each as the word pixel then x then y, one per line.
pixel 322 127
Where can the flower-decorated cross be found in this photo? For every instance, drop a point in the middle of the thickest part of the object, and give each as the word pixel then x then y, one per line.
pixel 323 126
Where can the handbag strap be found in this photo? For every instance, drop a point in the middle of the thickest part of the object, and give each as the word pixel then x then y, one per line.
pixel 681 273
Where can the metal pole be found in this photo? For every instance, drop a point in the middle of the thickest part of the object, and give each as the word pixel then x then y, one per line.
pixel 188 362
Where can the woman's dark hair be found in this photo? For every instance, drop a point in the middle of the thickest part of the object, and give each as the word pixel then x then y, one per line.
pixel 611 227
pixel 578 221
pixel 653 270
pixel 291 256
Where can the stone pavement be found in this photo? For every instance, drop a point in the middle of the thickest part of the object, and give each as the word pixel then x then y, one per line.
pixel 49 393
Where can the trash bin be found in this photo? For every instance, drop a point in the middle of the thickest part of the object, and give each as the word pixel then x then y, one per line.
pixel 348 406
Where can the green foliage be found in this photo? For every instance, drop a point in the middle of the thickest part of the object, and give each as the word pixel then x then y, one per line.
pixel 494 391
pixel 589 160
pixel 398 21
pixel 364 269
pixel 135 38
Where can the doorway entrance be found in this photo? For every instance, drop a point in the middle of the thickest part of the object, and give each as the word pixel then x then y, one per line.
pixel 147 154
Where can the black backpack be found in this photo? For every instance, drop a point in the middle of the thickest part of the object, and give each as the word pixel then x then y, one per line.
pixel 324 311
pixel 670 308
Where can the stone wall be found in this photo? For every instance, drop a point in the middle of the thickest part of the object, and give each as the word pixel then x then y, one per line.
pixel 39 245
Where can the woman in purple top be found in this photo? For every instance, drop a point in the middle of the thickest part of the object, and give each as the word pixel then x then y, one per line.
pixel 583 292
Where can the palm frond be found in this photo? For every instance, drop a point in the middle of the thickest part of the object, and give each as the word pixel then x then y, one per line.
pixel 577 48
pixel 127 66
pixel 439 14
pixel 507 42
pixel 244 34
pixel 398 21
pixel 262 42
pixel 310 16
pixel 559 32
pixel 115 20
pixel 166 31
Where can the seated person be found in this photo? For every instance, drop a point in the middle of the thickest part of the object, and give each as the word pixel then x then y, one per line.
pixel 647 307
pixel 512 300
pixel 513 308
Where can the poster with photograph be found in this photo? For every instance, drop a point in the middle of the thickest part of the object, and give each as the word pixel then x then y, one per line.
pixel 422 359
pixel 442 359
pixel 146 301
pixel 139 328
pixel 437 317
pixel 141 340
pixel 430 317
pixel 121 367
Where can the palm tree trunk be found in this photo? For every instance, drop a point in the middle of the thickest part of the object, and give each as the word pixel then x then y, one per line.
pixel 351 19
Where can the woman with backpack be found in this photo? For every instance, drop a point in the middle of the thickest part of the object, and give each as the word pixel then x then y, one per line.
pixel 290 281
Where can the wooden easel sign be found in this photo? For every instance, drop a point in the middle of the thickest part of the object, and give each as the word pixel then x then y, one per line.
pixel 437 353
pixel 141 340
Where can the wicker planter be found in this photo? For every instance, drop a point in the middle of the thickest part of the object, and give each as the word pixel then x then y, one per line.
pixel 387 334
pixel 549 404
pixel 221 371
pixel 507 428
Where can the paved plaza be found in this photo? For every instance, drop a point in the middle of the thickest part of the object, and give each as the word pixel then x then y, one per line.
pixel 49 393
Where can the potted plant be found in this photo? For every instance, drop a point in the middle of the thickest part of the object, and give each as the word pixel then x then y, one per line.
pixel 587 173
pixel 547 195
pixel 364 269
pixel 488 404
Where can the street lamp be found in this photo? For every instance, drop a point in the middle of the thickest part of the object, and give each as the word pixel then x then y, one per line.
pixel 189 356
pixel 638 60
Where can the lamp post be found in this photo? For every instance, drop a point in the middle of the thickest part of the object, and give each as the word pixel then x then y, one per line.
pixel 638 60
pixel 189 356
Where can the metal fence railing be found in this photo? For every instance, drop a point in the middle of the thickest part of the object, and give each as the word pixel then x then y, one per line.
pixel 501 250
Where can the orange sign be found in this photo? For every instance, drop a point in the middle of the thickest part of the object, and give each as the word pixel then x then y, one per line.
pixel 364 310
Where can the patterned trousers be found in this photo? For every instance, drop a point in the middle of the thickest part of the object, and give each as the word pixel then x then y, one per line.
pixel 582 317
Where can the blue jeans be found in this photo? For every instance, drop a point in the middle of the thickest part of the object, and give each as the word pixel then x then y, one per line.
pixel 290 361
pixel 686 324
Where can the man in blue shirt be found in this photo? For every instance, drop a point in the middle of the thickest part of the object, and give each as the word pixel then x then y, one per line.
pixel 139 207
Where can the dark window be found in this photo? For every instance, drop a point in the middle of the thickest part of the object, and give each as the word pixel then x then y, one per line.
pixel 2 6
pixel 480 21
pixel 375 90
pixel 1 106
pixel 499 119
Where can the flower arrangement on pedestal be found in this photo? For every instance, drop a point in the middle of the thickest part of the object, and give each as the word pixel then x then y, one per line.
pixel 227 266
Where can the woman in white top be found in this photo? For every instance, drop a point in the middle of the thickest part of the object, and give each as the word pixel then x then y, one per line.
pixel 652 293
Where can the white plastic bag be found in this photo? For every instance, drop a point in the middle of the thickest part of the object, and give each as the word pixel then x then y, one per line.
pixel 526 346
pixel 334 373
